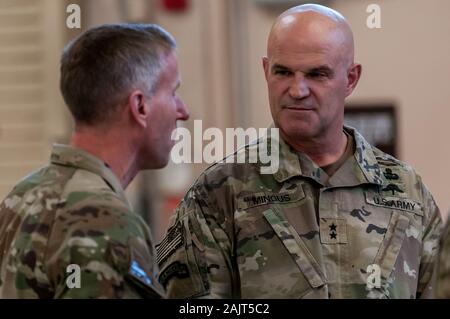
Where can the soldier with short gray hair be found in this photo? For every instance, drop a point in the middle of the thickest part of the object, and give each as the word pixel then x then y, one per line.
pixel 67 230
pixel 338 219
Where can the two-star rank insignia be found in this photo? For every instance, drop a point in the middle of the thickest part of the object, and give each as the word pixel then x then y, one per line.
pixel 333 231
pixel 333 234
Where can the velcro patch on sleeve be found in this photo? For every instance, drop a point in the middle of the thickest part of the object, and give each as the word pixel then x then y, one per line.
pixel 175 269
pixel 172 241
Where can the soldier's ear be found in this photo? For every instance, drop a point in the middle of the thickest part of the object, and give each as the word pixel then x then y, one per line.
pixel 353 75
pixel 265 63
pixel 139 107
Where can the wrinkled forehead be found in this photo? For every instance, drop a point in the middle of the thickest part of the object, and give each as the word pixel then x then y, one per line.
pixel 309 34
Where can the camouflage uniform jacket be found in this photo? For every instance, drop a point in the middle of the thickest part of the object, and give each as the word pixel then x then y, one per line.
pixel 67 231
pixel 443 265
pixel 369 231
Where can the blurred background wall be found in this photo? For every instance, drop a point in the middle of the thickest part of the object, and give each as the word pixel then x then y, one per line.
pixel 406 64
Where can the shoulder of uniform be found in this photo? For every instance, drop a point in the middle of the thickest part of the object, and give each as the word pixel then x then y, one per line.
pixel 387 161
pixel 85 185
pixel 49 177
pixel 237 157
pixel 93 204
pixel 233 166
pixel 88 196
pixel 397 171
pixel 97 222
pixel 85 180
pixel 204 191
pixel 219 179
pixel 44 185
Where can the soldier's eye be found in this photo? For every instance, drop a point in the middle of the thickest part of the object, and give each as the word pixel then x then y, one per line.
pixel 282 72
pixel 318 75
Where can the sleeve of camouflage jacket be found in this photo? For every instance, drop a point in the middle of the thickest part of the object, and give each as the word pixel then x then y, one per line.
pixel 430 243
pixel 195 257
pixel 106 254
pixel 443 265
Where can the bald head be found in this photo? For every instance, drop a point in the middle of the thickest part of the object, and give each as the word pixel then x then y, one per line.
pixel 313 25
pixel 324 11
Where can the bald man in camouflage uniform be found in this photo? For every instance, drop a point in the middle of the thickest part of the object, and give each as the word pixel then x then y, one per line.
pixel 338 219
pixel 67 230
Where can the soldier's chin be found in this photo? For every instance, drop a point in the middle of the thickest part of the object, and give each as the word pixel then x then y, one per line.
pixel 157 161
pixel 162 162
pixel 296 124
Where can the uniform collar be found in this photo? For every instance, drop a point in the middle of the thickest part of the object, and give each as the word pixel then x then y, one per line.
pixel 366 159
pixel 364 169
pixel 67 155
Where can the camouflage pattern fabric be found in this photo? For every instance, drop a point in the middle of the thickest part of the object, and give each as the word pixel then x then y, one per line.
pixel 443 265
pixel 369 231
pixel 74 212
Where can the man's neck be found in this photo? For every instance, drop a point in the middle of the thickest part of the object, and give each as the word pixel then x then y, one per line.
pixel 323 151
pixel 120 155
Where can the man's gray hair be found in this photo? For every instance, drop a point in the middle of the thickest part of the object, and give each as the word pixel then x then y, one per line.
pixel 101 67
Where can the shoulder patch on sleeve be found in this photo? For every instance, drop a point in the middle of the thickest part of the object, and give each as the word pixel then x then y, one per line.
pixel 172 241
pixel 175 269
